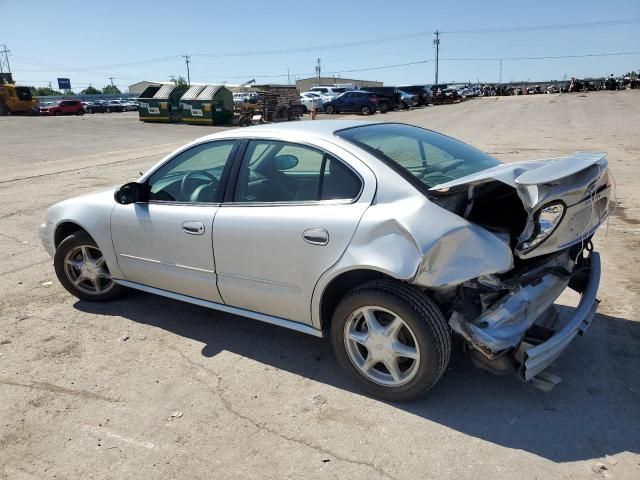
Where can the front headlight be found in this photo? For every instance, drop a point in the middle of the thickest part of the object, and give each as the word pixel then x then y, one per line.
pixel 547 219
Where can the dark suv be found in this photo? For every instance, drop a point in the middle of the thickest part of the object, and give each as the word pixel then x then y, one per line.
pixel 64 107
pixel 361 101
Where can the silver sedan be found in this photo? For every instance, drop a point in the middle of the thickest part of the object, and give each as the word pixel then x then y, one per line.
pixel 388 238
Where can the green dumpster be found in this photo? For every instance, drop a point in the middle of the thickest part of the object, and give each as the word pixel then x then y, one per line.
pixel 161 104
pixel 213 105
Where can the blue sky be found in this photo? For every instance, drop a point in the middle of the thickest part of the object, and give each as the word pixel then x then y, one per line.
pixel 89 42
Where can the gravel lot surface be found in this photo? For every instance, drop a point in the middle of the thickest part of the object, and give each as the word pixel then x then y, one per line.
pixel 147 387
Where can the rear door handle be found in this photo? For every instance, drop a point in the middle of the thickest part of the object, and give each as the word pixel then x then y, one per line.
pixel 316 236
pixel 193 228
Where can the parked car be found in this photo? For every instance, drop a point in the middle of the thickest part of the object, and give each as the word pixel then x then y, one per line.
pixel 63 107
pixel 130 106
pixel 329 91
pixel 360 101
pixel 408 100
pixel 388 238
pixel 551 89
pixel 95 107
pixel 421 91
pixel 116 106
pixel 312 101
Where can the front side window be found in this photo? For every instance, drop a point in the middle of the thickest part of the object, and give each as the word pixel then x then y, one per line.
pixel 274 171
pixel 424 157
pixel 192 176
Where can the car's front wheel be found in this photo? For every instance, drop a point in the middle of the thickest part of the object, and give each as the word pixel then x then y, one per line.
pixel 392 339
pixel 365 110
pixel 83 271
pixel 330 109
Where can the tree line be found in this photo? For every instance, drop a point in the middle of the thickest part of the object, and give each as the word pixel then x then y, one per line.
pixel 90 90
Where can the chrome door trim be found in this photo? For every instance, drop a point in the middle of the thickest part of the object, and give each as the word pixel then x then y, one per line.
pixel 281 322
pixel 160 262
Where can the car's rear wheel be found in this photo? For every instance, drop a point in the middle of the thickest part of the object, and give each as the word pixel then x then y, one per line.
pixel 80 112
pixel 330 109
pixel 392 339
pixel 108 110
pixel 383 107
pixel 58 113
pixel 82 270
pixel 365 110
pixel 89 110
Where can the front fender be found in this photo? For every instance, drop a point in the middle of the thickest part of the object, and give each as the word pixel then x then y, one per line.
pixel 91 212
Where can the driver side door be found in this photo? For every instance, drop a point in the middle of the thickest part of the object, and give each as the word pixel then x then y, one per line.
pixel 165 240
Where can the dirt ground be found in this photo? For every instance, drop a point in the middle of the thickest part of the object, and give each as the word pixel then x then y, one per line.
pixel 147 387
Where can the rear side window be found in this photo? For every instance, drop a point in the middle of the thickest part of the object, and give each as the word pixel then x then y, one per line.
pixel 276 172
pixel 425 158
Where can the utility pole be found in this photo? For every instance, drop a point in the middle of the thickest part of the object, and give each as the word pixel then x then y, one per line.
pixel 500 80
pixel 111 78
pixel 4 60
pixel 186 60
pixel 318 70
pixel 436 42
pixel 288 78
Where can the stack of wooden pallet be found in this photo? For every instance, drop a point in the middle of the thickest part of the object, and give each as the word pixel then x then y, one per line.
pixel 279 103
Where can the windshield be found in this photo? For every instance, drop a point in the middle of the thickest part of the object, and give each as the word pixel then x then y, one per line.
pixel 423 157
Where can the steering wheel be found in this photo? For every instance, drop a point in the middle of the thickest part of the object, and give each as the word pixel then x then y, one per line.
pixel 193 173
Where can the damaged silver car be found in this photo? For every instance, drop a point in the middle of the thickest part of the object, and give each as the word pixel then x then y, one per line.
pixel 389 238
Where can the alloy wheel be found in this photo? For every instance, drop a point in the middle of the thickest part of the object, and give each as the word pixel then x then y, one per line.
pixel 382 346
pixel 87 270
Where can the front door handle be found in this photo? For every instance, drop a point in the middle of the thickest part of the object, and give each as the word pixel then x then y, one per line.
pixel 316 236
pixel 193 228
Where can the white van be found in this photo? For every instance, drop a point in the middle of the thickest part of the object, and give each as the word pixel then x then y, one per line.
pixel 329 90
pixel 348 86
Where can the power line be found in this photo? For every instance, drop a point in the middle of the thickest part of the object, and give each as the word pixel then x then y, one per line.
pixel 535 28
pixel 566 26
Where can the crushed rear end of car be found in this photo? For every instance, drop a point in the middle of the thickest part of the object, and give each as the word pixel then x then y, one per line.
pixel 547 211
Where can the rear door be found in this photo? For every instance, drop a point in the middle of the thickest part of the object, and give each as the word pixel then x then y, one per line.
pixel 290 217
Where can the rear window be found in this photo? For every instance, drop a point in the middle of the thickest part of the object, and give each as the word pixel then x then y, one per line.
pixel 425 158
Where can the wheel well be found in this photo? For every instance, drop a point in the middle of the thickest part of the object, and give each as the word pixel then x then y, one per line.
pixel 65 229
pixel 339 287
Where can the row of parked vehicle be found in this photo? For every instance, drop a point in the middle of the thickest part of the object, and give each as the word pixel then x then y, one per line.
pixel 76 107
pixel 349 98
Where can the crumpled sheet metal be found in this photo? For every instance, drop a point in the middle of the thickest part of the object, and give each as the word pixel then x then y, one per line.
pixel 418 241
pixel 504 324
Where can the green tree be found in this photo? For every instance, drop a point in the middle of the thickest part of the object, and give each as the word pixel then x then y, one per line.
pixel 111 89
pixel 180 80
pixel 69 92
pixel 45 91
pixel 91 90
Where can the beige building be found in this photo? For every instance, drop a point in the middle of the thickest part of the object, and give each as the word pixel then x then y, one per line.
pixel 306 83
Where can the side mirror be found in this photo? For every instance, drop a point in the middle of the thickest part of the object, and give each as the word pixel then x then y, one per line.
pixel 128 193
pixel 284 162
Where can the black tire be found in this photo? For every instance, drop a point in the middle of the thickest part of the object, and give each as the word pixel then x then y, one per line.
pixel 419 313
pixel 330 109
pixel 89 110
pixel 58 113
pixel 69 244
pixel 384 107
pixel 365 110
pixel 80 112
pixel 108 110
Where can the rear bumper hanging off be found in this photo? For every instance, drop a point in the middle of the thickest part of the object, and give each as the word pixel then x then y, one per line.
pixel 537 358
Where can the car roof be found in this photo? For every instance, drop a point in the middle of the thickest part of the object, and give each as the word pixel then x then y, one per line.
pixel 317 128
